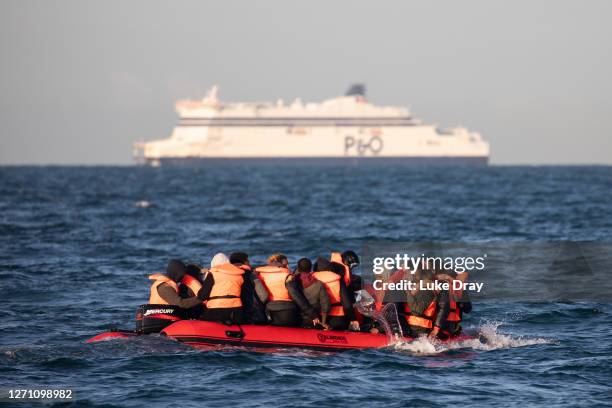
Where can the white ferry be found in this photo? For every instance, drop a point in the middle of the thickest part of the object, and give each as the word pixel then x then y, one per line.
pixel 345 128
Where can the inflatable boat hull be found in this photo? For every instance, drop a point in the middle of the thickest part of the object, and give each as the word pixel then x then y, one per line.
pixel 204 334
pixel 198 333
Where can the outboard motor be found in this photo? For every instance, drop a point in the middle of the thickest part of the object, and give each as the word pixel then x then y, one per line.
pixel 154 318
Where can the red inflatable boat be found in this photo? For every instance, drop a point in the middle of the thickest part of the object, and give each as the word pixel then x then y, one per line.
pixel 199 333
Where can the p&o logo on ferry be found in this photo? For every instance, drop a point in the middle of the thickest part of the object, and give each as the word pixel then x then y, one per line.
pixel 362 146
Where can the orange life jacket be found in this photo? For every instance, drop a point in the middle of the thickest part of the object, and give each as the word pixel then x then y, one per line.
pixel 159 278
pixel 227 287
pixel 192 283
pixel 273 278
pixel 426 319
pixel 331 281
pixel 454 314
pixel 337 257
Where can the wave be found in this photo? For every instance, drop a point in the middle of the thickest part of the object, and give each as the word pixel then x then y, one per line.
pixel 143 204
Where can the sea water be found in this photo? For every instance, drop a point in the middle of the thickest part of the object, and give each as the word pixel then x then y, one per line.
pixel 76 245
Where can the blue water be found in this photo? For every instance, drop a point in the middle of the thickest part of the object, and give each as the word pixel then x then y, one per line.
pixel 76 245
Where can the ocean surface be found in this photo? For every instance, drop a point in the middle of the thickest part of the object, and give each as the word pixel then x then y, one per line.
pixel 76 245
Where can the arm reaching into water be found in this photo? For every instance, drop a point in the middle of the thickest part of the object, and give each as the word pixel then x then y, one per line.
pixel 442 314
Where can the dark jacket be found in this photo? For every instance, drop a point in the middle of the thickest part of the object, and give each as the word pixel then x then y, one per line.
pixel 419 302
pixel 311 301
pixel 346 297
pixel 169 295
pixel 253 308
pixel 347 302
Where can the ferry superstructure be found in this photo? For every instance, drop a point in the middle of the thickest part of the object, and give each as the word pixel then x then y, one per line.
pixel 338 129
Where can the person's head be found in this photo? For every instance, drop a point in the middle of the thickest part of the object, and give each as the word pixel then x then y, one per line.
pixel 337 268
pixel 193 270
pixel 239 258
pixel 350 259
pixel 304 265
pixel 219 259
pixel 175 270
pixel 278 259
pixel 321 264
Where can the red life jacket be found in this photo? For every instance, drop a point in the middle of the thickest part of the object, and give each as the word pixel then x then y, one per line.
pixel 192 283
pixel 331 282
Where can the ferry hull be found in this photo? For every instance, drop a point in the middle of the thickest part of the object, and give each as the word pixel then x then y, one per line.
pixel 324 161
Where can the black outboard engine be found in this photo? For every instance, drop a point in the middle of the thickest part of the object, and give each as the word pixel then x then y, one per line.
pixel 154 318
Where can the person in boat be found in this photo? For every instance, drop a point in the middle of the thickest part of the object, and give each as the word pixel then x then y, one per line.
pixel 425 311
pixel 272 291
pixel 165 288
pixel 254 312
pixel 222 290
pixel 190 286
pixel 341 314
pixel 165 303
pixel 315 309
pixel 349 261
pixel 459 301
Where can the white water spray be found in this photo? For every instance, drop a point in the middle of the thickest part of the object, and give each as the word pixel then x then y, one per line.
pixel 488 339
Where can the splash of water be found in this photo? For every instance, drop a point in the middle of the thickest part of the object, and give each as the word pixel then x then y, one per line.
pixel 488 339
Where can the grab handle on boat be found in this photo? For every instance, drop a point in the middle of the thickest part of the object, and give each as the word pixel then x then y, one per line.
pixel 235 334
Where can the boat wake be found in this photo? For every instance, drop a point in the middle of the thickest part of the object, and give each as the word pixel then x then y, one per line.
pixel 489 338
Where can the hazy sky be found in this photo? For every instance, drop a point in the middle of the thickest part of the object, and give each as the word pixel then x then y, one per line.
pixel 80 81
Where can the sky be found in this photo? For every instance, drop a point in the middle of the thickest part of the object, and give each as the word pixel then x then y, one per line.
pixel 80 81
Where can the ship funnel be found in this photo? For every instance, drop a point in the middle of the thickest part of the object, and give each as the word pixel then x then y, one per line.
pixel 356 90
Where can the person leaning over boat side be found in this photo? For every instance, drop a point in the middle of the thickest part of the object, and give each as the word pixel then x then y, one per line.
pixel 253 309
pixel 222 289
pixel 426 311
pixel 310 296
pixel 341 314
pixel 273 293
